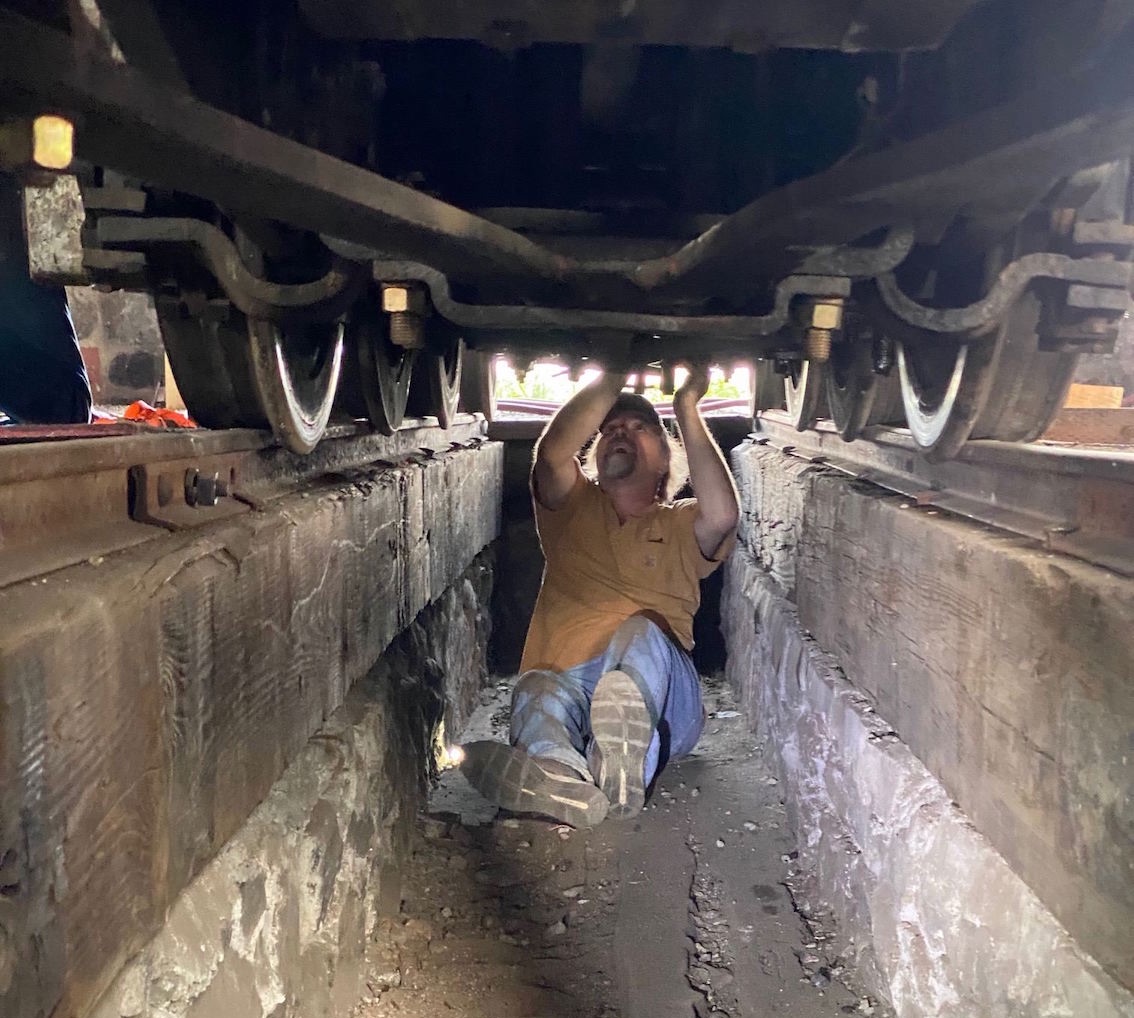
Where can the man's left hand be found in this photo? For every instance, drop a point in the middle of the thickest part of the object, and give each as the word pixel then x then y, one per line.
pixel 694 387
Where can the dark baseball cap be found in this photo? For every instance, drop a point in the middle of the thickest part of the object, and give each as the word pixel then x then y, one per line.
pixel 632 403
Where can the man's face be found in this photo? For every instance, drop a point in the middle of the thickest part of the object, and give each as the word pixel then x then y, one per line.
pixel 629 444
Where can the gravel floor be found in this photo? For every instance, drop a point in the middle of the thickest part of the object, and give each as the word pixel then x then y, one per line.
pixel 685 911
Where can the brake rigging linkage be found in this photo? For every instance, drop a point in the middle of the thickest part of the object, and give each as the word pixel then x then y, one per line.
pixel 1097 284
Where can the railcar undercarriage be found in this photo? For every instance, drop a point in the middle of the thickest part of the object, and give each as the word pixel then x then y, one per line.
pixel 918 214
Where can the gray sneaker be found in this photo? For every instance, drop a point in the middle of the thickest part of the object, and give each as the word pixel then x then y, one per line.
pixel 509 777
pixel 621 727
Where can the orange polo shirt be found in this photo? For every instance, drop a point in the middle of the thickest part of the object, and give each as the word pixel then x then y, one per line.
pixel 599 572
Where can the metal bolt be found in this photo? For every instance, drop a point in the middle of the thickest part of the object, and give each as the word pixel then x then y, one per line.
pixel 407 330
pixel 191 476
pixel 44 143
pixel 817 345
pixel 668 377
pixel 395 299
pixel 405 304
pixel 207 489
pixel 826 314
pixel 200 489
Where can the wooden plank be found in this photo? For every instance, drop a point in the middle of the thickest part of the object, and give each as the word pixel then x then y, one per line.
pixel 149 702
pixel 1086 426
pixel 1081 396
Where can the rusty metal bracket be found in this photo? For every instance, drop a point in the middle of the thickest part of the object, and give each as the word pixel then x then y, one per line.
pixel 520 317
pixel 1014 279
pixel 321 300
pixel 184 493
pixel 862 262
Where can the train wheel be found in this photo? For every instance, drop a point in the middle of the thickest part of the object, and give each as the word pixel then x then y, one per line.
pixel 803 393
pixel 945 384
pixel 376 379
pixel 436 388
pixel 208 352
pixel 857 395
pixel 478 383
pixel 295 369
pixel 1030 384
pixel 1000 387
pixel 767 387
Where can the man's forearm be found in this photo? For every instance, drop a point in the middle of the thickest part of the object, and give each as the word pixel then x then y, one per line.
pixel 709 474
pixel 579 418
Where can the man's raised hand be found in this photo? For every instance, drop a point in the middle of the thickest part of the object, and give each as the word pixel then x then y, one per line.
pixel 696 384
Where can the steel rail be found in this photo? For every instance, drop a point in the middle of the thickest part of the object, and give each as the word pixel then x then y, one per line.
pixel 1074 500
pixel 69 501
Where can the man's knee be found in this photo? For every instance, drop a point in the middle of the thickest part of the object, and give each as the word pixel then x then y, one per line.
pixel 536 683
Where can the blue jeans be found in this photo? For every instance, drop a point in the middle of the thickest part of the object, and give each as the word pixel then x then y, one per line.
pixel 42 378
pixel 551 710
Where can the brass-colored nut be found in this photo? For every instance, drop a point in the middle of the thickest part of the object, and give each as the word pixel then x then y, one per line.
pixel 53 142
pixel 44 143
pixel 395 298
pixel 398 297
pixel 826 314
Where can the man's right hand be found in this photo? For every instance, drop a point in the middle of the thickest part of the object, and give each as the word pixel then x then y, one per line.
pixel 557 468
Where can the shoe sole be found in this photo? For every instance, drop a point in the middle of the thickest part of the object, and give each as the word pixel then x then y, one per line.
pixel 622 730
pixel 509 777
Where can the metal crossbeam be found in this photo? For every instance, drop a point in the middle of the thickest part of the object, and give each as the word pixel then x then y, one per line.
pixel 995 164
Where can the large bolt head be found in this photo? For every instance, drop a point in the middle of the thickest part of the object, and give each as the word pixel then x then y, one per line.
pixel 826 315
pixel 398 298
pixel 395 299
pixel 44 143
pixel 53 142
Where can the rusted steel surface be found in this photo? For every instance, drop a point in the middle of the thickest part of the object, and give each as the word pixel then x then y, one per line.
pixel 321 299
pixel 1001 160
pixel 1072 500
pixel 78 500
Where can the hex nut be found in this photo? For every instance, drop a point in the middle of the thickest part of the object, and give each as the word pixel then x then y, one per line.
pixel 826 315
pixel 43 143
pixel 395 299
pixel 53 142
pixel 401 297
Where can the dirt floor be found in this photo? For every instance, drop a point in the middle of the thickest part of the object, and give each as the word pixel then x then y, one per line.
pixel 689 911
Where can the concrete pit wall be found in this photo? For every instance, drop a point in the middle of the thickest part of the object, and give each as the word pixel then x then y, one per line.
pixel 151 701
pixel 951 711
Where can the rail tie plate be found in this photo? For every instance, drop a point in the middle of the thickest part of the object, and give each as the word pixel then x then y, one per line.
pixel 69 501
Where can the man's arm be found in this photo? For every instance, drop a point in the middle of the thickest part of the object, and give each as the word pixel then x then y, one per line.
pixel 718 508
pixel 556 455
